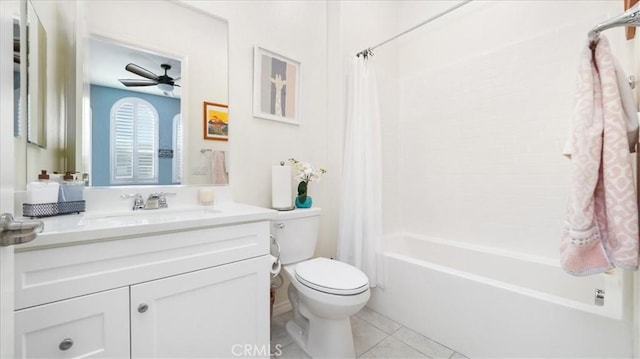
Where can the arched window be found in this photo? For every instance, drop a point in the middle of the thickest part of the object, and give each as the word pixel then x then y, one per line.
pixel 134 142
pixel 177 149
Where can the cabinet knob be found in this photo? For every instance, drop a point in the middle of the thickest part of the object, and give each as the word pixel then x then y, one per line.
pixel 66 344
pixel 142 308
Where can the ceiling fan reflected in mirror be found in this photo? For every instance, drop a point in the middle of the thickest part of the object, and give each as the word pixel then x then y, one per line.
pixel 164 82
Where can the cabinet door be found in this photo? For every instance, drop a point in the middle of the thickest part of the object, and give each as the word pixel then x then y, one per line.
pixel 91 326
pixel 220 312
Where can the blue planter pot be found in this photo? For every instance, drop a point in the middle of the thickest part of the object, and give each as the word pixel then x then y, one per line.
pixel 305 204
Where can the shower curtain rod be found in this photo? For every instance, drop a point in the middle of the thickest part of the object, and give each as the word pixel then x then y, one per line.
pixel 369 50
pixel 631 17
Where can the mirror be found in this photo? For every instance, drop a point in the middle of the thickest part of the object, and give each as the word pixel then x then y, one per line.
pixel 135 115
pixel 194 52
pixel 36 79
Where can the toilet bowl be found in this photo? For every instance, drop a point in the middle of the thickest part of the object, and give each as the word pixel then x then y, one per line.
pixel 323 292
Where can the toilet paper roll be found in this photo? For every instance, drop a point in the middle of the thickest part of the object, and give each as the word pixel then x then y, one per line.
pixel 275 265
pixel 281 197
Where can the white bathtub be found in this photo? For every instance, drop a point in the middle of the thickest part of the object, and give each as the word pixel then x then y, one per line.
pixel 485 302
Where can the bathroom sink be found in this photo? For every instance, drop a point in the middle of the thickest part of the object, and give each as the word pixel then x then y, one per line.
pixel 153 216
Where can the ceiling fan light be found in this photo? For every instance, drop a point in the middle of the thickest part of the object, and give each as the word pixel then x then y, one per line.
pixel 165 87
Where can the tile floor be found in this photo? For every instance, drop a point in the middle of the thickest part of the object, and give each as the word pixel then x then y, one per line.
pixel 374 336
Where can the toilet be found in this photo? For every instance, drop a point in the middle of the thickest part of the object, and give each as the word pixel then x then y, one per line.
pixel 323 292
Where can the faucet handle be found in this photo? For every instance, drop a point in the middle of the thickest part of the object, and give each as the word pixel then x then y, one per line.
pixel 162 199
pixel 131 195
pixel 138 201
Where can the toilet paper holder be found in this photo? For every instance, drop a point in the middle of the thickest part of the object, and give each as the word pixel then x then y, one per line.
pixel 275 241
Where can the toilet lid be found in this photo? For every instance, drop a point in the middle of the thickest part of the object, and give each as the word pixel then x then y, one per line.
pixel 333 277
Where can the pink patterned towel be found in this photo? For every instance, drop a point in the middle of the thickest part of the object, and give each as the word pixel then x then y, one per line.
pixel 601 229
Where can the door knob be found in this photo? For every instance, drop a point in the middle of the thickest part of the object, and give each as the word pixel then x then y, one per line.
pixel 143 308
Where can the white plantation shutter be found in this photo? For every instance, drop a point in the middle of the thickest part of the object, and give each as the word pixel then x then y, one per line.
pixel 177 149
pixel 134 142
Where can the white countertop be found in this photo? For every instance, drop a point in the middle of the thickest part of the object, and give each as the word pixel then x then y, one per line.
pixel 77 229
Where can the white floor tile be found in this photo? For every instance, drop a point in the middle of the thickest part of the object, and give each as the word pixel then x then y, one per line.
pixel 425 345
pixel 392 348
pixel 365 335
pixel 378 320
pixel 374 336
pixel 457 355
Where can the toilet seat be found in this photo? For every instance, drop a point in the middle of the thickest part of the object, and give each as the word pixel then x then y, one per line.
pixel 331 277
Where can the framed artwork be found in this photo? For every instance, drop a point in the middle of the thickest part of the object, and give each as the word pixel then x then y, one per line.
pixel 276 87
pixel 216 121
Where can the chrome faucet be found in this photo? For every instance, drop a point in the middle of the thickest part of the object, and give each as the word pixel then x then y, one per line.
pixel 138 202
pixel 153 201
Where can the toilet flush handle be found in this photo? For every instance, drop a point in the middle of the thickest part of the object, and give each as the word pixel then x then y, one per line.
pixel 278 225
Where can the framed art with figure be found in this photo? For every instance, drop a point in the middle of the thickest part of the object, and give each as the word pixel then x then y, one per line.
pixel 276 87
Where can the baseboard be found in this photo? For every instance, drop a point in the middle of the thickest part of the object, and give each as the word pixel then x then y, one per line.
pixel 281 308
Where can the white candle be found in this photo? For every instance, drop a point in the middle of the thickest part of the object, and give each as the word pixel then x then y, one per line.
pixel 205 196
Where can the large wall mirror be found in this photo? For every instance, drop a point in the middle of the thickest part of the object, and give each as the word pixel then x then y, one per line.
pixel 149 74
pixel 149 34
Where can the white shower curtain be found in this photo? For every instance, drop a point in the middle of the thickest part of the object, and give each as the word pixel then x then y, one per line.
pixel 360 222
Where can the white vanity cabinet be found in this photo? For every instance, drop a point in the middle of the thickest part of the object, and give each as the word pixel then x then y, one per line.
pixel 201 293
pixel 95 325
pixel 221 306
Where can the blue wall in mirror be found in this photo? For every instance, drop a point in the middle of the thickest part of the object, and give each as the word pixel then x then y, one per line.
pixel 102 99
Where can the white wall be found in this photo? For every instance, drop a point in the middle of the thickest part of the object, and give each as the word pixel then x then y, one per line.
pixel 298 30
pixel 486 96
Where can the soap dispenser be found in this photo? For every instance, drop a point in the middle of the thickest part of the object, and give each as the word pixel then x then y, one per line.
pixel 70 189
pixel 43 190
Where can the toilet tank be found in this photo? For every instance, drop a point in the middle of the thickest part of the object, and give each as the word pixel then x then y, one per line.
pixel 297 233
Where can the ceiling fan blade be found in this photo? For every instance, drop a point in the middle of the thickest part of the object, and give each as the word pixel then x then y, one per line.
pixel 140 71
pixel 138 82
pixel 177 78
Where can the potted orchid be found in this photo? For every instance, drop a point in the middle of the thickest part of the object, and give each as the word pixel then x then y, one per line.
pixel 305 173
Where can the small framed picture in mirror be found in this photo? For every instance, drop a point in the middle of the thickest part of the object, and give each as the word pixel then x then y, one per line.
pixel 216 121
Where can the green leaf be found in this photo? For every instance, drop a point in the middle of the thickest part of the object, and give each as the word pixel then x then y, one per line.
pixel 302 188
pixel 302 191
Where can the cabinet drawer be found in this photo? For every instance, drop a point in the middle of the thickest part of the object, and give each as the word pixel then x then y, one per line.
pixel 95 325
pixel 48 275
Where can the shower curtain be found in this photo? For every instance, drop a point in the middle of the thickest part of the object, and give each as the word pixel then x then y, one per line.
pixel 360 222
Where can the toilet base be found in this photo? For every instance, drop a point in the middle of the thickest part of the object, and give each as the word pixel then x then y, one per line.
pixel 336 332
pixel 321 325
